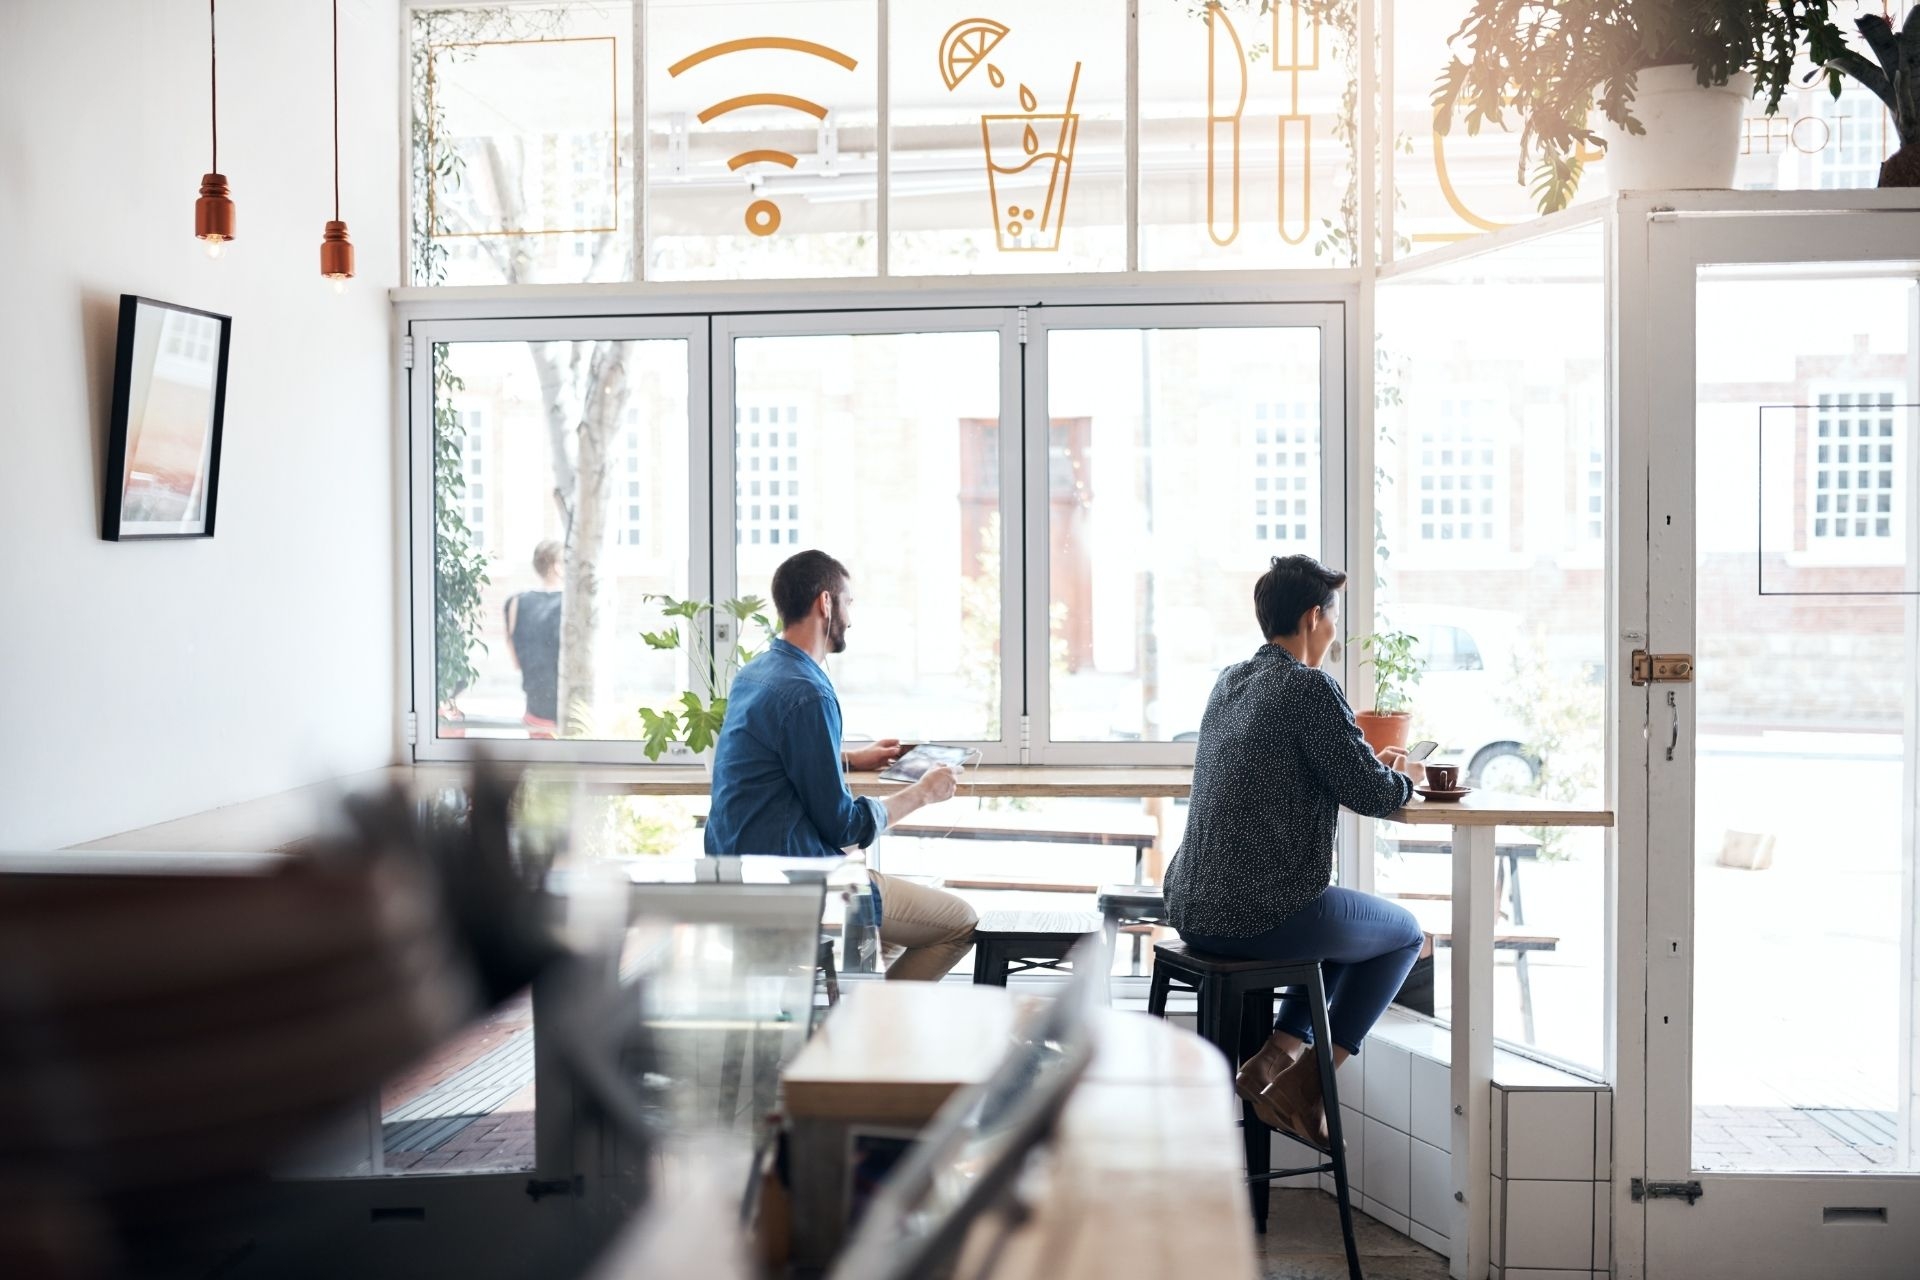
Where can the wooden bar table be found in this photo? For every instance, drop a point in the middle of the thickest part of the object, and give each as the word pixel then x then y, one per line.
pixel 1473 821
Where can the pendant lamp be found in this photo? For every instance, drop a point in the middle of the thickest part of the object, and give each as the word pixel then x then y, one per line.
pixel 336 251
pixel 213 211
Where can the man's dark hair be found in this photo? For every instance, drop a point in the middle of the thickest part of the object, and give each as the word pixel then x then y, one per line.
pixel 800 579
pixel 1291 586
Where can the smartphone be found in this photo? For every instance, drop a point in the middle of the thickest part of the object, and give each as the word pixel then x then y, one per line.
pixel 1421 750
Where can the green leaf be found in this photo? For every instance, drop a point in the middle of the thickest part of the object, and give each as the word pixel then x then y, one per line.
pixel 659 729
pixel 661 639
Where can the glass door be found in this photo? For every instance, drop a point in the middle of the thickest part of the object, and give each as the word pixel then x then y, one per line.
pixel 1784 562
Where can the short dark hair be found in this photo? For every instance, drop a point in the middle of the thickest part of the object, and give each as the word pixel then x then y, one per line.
pixel 800 579
pixel 1291 586
pixel 546 556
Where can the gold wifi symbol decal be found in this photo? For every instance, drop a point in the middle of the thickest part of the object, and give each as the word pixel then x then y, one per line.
pixel 763 216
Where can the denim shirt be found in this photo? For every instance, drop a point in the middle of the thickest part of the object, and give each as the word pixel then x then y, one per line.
pixel 777 786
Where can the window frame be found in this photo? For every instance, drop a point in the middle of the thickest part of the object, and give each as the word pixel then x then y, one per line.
pixel 1873 551
pixel 1331 319
pixel 423 334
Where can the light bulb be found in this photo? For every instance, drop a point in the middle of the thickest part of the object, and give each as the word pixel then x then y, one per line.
pixel 213 246
pixel 339 283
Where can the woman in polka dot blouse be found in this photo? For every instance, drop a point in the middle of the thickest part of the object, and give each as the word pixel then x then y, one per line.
pixel 1279 755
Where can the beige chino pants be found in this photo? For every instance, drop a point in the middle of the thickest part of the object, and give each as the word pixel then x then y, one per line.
pixel 923 930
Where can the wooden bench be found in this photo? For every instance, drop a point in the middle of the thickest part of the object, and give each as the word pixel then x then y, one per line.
pixel 1511 852
pixel 1136 831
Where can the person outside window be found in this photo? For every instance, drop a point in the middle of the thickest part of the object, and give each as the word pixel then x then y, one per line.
pixel 533 637
pixel 1279 754
pixel 778 786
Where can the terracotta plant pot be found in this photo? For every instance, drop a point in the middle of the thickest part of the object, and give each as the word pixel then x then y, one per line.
pixel 1384 729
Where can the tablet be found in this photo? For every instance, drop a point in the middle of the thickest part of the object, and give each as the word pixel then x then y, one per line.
pixel 920 761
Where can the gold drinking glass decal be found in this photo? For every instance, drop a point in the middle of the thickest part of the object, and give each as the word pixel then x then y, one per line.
pixel 763 215
pixel 1022 152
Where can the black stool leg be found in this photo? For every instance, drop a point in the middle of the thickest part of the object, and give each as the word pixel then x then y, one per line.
pixel 989 964
pixel 1157 992
pixel 1254 1030
pixel 1330 1094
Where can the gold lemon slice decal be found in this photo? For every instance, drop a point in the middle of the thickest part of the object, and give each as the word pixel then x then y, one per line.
pixel 966 45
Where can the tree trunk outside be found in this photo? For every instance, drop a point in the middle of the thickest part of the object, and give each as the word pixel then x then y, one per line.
pixel 605 400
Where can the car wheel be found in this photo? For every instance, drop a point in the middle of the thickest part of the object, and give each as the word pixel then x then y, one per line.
pixel 1503 766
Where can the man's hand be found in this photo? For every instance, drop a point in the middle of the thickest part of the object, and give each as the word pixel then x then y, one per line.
pixel 939 784
pixel 878 756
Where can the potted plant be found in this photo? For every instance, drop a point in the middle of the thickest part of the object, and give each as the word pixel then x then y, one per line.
pixel 1896 81
pixel 1396 669
pixel 1669 78
pixel 694 720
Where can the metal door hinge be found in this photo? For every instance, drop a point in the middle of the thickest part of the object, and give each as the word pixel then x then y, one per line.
pixel 1026 739
pixel 410 726
pixel 406 352
pixel 1023 326
pixel 1688 1191
pixel 1662 668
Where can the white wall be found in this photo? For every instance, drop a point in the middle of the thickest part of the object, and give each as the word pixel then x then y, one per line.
pixel 140 682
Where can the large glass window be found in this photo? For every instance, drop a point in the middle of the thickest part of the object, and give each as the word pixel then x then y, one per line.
pixel 884 450
pixel 560 503
pixel 1152 546
pixel 1491 428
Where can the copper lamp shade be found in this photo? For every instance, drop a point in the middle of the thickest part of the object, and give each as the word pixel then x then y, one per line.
pixel 213 211
pixel 336 253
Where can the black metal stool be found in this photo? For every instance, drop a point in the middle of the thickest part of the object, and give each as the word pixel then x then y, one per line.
pixel 1236 1013
pixel 1009 942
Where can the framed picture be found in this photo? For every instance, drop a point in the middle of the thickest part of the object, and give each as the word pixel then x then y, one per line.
pixel 169 396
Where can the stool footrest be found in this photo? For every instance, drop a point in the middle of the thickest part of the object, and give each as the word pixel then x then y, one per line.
pixel 1274 1175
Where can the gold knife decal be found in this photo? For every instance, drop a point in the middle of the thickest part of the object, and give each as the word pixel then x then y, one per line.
pixel 1223 127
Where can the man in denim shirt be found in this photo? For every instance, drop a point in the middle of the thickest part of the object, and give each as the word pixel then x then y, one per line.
pixel 777 782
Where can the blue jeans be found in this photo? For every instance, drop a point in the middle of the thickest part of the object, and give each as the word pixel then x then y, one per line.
pixel 1365 946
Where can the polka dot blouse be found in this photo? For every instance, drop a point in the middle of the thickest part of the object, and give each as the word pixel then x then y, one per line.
pixel 1279 755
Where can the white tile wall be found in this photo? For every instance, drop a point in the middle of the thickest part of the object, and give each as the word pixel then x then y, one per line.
pixel 1603 1135
pixel 1547 1273
pixel 1548 1224
pixel 1433 1240
pixel 1350 1079
pixel 1389 1096
pixel 1432 1201
pixel 1549 1135
pixel 1432 1101
pixel 1381 1214
pixel 1602 1226
pixel 1389 1167
pixel 1499 1243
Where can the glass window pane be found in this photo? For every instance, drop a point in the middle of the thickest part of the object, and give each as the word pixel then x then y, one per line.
pixel 1511 594
pixel 761 127
pixel 522 155
pixel 511 557
pixel 899 481
pixel 1151 565
pixel 1008 150
pixel 1245 128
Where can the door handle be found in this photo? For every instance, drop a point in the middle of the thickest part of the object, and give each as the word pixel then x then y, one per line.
pixel 1673 739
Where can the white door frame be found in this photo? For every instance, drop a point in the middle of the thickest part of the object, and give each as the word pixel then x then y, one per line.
pixel 1747 1224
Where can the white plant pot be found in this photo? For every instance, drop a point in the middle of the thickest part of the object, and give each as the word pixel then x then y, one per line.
pixel 1692 142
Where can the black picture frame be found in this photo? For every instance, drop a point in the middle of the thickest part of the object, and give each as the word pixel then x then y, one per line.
pixel 142 510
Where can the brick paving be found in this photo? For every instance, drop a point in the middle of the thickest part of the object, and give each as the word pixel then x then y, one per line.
pixel 1791 1138
pixel 468 1105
